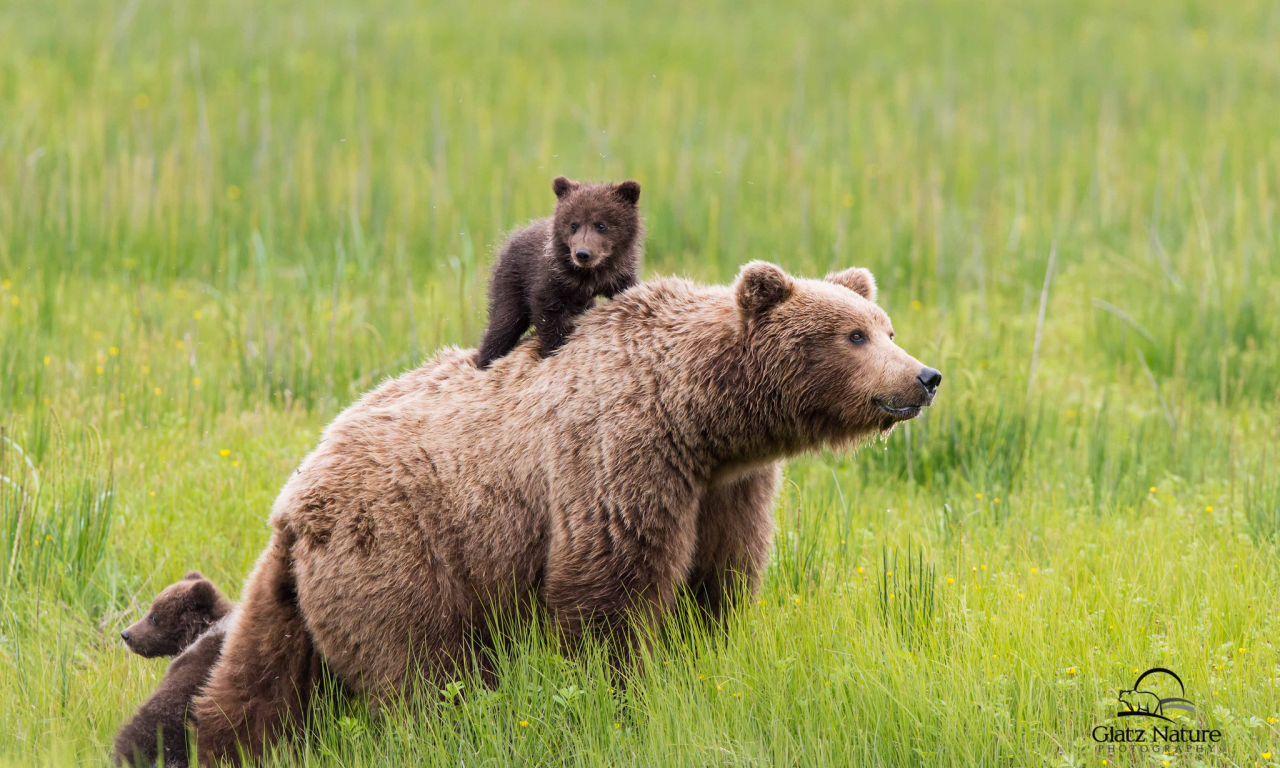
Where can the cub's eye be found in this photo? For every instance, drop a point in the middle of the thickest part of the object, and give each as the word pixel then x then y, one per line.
pixel 858 337
pixel 573 227
pixel 892 335
pixel 151 620
pixel 600 226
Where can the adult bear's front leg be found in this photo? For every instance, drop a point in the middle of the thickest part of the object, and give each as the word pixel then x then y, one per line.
pixel 615 565
pixel 735 536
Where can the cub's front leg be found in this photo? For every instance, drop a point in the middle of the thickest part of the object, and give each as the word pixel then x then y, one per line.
pixel 554 314
pixel 735 537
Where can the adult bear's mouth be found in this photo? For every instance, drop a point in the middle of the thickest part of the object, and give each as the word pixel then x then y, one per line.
pixel 899 413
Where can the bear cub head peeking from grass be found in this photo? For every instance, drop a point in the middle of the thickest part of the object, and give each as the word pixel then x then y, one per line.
pixel 179 614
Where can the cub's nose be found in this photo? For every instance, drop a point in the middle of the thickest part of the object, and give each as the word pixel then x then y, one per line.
pixel 930 378
pixel 582 255
pixel 124 635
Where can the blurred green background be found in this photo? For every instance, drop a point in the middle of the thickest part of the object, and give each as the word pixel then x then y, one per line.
pixel 221 222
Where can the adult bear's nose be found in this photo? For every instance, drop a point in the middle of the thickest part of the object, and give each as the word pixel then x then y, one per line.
pixel 582 256
pixel 930 378
pixel 124 635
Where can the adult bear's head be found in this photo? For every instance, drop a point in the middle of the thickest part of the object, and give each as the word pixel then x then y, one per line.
pixel 827 354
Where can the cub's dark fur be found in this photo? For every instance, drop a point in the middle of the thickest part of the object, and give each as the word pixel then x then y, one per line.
pixel 188 619
pixel 551 271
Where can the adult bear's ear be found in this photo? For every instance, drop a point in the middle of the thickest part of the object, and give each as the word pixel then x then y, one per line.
pixel 629 191
pixel 562 186
pixel 193 576
pixel 856 279
pixel 760 286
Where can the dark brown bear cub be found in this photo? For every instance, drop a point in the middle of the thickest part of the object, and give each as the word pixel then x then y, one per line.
pixel 551 271
pixel 188 619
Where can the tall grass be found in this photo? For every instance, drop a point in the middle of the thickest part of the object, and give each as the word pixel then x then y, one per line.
pixel 55 516
pixel 220 223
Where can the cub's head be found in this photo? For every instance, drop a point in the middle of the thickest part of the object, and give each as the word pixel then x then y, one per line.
pixel 178 615
pixel 594 222
pixel 838 372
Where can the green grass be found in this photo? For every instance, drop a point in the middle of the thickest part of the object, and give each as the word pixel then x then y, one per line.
pixel 221 222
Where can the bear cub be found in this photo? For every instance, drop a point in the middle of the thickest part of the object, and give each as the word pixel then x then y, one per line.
pixel 189 620
pixel 551 271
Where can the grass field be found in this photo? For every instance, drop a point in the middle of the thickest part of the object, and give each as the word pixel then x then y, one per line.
pixel 221 222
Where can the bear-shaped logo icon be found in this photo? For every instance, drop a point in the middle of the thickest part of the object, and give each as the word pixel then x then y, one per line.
pixel 1144 702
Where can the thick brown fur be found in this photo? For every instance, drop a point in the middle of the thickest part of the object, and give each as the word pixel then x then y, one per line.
pixel 551 271
pixel 269 668
pixel 188 619
pixel 641 459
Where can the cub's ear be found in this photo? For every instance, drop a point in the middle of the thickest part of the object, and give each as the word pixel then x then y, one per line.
pixel 193 576
pixel 629 191
pixel 203 593
pixel 856 279
pixel 760 286
pixel 562 186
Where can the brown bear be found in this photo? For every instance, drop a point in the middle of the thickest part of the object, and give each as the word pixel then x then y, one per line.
pixel 641 459
pixel 551 271
pixel 187 619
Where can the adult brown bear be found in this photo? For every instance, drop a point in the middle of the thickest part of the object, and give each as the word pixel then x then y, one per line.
pixel 641 458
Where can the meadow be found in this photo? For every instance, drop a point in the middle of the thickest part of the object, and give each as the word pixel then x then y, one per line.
pixel 221 222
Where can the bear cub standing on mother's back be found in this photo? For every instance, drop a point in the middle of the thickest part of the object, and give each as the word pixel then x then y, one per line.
pixel 189 620
pixel 551 271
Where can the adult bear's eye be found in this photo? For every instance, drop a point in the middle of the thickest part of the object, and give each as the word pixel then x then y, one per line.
pixel 573 227
pixel 600 226
pixel 858 337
